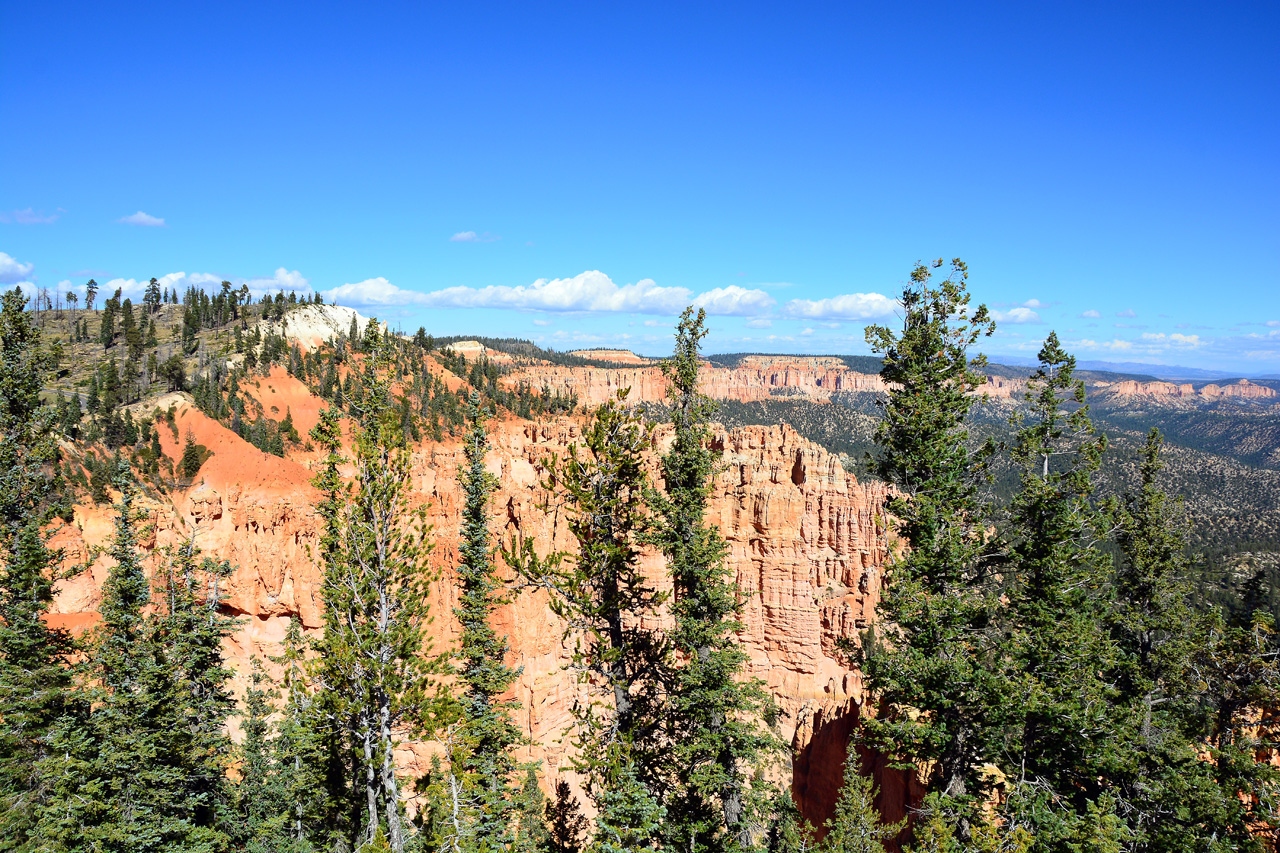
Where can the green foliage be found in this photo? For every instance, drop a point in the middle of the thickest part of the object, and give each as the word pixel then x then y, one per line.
pixel 788 832
pixel 856 827
pixel 713 715
pixel 481 766
pixel 143 767
pixel 532 834
pixel 936 674
pixel 34 657
pixel 603 596
pixel 191 461
pixel 374 670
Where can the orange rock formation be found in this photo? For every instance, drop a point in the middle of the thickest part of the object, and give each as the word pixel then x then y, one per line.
pixel 803 535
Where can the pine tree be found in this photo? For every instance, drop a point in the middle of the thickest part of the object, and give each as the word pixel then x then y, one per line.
pixel 481 764
pixel 856 827
pixel 34 657
pixel 1241 665
pixel 152 297
pixel 933 676
pixel 339 809
pixel 1164 787
pixel 566 824
pixel 1066 735
pixel 147 769
pixel 603 597
pixel 298 749
pixel 532 834
pixel 262 805
pixel 788 832
pixel 375 672
pixel 717 740
pixel 190 629
pixel 190 463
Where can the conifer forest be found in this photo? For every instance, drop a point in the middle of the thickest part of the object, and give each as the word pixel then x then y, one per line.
pixel 1058 661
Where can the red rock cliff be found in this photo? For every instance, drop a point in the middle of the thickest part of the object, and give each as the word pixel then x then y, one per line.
pixel 803 536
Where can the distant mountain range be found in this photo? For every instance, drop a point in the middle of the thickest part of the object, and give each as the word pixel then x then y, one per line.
pixel 1167 372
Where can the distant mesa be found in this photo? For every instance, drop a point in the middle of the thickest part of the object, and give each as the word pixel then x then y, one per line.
pixel 1244 389
pixel 618 356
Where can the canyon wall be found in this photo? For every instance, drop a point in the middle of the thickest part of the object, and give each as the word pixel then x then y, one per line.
pixel 753 378
pixel 804 541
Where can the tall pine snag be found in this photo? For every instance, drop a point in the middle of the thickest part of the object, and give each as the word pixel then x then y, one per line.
pixel 34 657
pixel 718 744
pixel 375 669
pixel 932 676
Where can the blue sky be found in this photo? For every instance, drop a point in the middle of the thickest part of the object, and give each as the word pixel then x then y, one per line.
pixel 575 173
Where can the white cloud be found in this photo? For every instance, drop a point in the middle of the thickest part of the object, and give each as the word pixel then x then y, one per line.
pixel 587 291
pixel 374 291
pixel 806 332
pixel 734 301
pixel 760 323
pixel 1033 303
pixel 1116 345
pixel 1092 314
pixel 28 216
pixel 541 321
pixel 1273 323
pixel 141 218
pixel 1128 312
pixel 473 237
pixel 1016 315
pixel 849 306
pixel 281 279
pixel 12 270
pixel 1177 339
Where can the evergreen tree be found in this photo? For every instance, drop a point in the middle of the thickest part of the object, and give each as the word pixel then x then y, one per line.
pixel 788 832
pixel 1066 736
pixel 481 765
pixel 532 834
pixel 856 827
pixel 717 741
pixel 152 296
pixel 373 665
pixel 1165 789
pixel 1241 665
pixel 566 824
pixel 189 630
pixel 190 463
pixel 935 675
pixel 261 805
pixel 603 597
pixel 298 749
pixel 34 657
pixel 147 769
